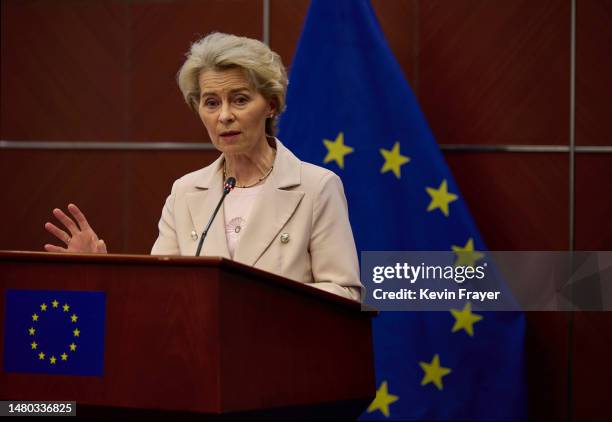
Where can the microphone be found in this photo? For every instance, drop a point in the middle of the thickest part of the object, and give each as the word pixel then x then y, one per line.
pixel 230 183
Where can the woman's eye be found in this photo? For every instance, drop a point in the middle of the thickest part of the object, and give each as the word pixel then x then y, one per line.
pixel 241 100
pixel 210 103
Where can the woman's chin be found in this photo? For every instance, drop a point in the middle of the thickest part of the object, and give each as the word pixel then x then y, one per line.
pixel 230 147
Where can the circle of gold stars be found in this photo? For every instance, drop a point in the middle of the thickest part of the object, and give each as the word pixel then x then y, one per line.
pixel 33 330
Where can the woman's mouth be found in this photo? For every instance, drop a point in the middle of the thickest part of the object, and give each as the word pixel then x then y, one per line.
pixel 229 135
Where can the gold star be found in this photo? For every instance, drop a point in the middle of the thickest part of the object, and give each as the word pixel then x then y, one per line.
pixel 467 256
pixel 34 317
pixel 76 332
pixel 74 318
pixel 465 319
pixel 440 198
pixel 41 356
pixel 53 359
pixel 383 400
pixel 336 150
pixel 66 307
pixel 55 303
pixel 393 160
pixel 434 372
pixel 32 331
pixel 34 345
pixel 73 347
pixel 64 356
pixel 43 307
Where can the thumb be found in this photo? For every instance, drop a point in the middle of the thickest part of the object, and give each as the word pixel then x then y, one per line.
pixel 101 247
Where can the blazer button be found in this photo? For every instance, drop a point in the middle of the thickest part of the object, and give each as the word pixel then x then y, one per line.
pixel 194 235
pixel 284 238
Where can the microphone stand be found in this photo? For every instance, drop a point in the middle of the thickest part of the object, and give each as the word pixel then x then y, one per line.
pixel 227 187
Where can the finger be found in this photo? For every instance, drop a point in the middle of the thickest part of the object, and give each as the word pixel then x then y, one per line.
pixel 57 232
pixel 53 248
pixel 79 217
pixel 66 221
pixel 101 246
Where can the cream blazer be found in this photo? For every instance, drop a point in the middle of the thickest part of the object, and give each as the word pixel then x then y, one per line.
pixel 303 203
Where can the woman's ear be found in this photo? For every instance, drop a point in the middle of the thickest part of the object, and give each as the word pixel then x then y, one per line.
pixel 273 108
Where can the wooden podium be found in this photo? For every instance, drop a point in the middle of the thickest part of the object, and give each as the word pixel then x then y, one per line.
pixel 201 336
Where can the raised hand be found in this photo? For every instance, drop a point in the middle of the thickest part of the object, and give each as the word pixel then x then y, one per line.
pixel 80 237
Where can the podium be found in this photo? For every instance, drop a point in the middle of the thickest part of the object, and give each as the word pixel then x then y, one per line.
pixel 201 336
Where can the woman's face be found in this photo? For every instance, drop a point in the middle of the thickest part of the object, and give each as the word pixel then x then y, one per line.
pixel 232 111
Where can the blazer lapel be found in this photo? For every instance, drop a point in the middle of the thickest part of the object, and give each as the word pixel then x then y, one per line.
pixel 272 209
pixel 201 204
pixel 268 216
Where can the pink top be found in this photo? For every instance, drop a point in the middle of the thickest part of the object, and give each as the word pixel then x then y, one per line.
pixel 237 207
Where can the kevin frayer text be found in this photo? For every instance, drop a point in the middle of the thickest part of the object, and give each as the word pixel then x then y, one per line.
pixel 428 294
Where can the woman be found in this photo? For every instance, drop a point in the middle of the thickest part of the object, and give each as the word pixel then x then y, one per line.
pixel 285 216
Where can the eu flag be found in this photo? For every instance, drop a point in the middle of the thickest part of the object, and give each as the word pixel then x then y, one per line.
pixel 54 332
pixel 350 109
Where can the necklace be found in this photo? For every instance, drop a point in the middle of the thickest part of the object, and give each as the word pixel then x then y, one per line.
pixel 252 184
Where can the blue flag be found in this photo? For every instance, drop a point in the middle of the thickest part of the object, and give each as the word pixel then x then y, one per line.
pixel 54 332
pixel 349 108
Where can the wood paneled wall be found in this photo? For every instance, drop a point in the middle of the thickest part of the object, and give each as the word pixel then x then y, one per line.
pixel 486 73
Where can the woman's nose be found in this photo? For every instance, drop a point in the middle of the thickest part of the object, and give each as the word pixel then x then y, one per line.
pixel 226 115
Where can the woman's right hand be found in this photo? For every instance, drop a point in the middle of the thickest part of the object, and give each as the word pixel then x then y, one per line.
pixel 81 237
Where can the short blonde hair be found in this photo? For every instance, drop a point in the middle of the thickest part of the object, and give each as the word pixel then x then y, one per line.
pixel 218 51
